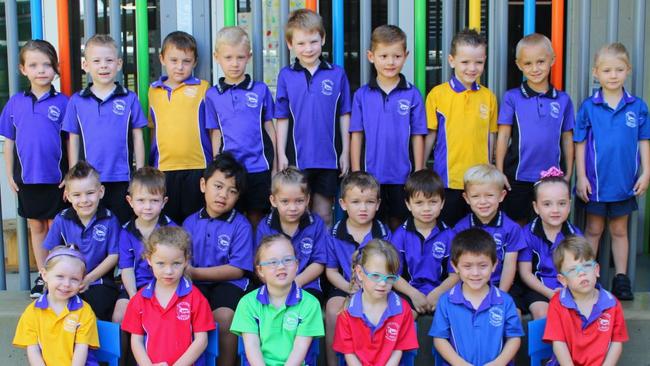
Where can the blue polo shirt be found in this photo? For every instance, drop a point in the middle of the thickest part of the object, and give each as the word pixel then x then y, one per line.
pixel 313 103
pixel 424 260
pixel 309 241
pixel 539 250
pixel 538 121
pixel 131 249
pixel 104 127
pixel 341 245
pixel 239 112
pixel 227 239
pixel 612 150
pixel 35 126
pixel 95 241
pixel 495 320
pixel 505 232
pixel 388 121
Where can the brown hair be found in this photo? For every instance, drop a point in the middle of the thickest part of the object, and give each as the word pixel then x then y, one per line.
pixel 361 180
pixel 375 247
pixel 534 39
pixel 289 175
pixel 467 37
pixel 475 241
pixel 576 245
pixel 267 242
pixel 101 40
pixel 424 181
pixel 387 34
pixel 305 20
pixel 181 40
pixel 44 47
pixel 81 170
pixel 172 236
pixel 150 179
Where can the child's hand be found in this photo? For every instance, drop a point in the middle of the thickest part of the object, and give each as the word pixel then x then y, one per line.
pixel 420 302
pixel 344 163
pixel 85 283
pixel 505 179
pixel 641 185
pixel 283 162
pixel 583 189
pixel 12 184
pixel 432 299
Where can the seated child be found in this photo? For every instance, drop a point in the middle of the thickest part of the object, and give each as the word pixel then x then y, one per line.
pixel 376 326
pixel 159 335
pixel 585 322
pixel 307 232
pixel 475 322
pixel 95 231
pixel 59 327
pixel 279 320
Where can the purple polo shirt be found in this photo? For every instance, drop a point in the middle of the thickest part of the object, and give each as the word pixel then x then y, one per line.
pixel 313 103
pixel 239 112
pixel 388 121
pixel 425 261
pixel 95 241
pixel 104 127
pixel 538 121
pixel 227 239
pixel 35 126
pixel 309 241
pixel 131 249
pixel 539 250
pixel 341 245
pixel 505 232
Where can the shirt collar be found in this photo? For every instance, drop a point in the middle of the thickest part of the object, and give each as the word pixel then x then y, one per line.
pixel 130 226
pixel 402 84
pixel 494 297
pixel 458 87
pixel 228 216
pixel 605 301
pixel 537 229
pixel 184 287
pixel 50 93
pixel 246 84
pixel 496 221
pixel 120 90
pixel 323 65
pixel 340 231
pixel 409 225
pixel 74 303
pixel 293 297
pixel 160 83
pixel 394 307
pixel 528 92
pixel 102 213
pixel 598 98
pixel 273 221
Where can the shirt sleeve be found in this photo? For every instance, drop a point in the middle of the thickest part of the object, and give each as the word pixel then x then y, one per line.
pixel 331 253
pixel 202 318
pixel 311 322
pixel 493 112
pixel 513 326
pixel 138 119
pixel 344 101
pixel 398 244
pixel 7 128
pixel 407 338
pixel 269 107
pixel 619 333
pixel 582 125
pixel 152 116
pixel 343 341
pixel 319 254
pixel 211 115
pixel 644 127
pixel 515 239
pixel 281 98
pixel 244 320
pixel 126 257
pixel 507 111
pixel 241 250
pixel 356 118
pixel 54 234
pixel 27 328
pixel 441 327
pixel 526 254
pixel 70 121
pixel 554 330
pixel 113 237
pixel 132 321
pixel 87 330
pixel 569 116
pixel 431 109
pixel 418 115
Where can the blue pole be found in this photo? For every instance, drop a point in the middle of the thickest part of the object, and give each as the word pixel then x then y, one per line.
pixel 337 32
pixel 36 9
pixel 529 17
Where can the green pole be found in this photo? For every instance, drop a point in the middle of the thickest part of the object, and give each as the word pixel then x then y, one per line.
pixel 229 13
pixel 142 57
pixel 420 45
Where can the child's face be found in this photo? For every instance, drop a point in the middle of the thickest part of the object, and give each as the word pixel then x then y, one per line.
pixel 468 63
pixel 307 46
pixel 535 62
pixel 233 60
pixel 145 204
pixel 64 278
pixel 474 270
pixel 578 275
pixel 84 195
pixel 278 265
pixel 291 203
pixel 373 276
pixel 102 63
pixel 484 199
pixel 38 69
pixel 611 72
pixel 168 264
pixel 553 204
pixel 361 206
pixel 388 59
pixel 425 210
pixel 178 64
pixel 220 193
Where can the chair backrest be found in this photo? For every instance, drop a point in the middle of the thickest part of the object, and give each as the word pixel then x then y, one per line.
pixel 109 342
pixel 311 359
pixel 209 356
pixel 538 350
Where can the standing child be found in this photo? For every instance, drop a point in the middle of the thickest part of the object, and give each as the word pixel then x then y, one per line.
pixel 278 321
pixel 160 335
pixel 462 121
pixel 316 95
pixel 475 323
pixel 377 326
pixel 105 122
pixel 240 118
pixel 585 323
pixel 180 144
pixel 290 199
pixel 59 327
pixel 535 127
pixel 611 136
pixel 31 125
pixel 388 119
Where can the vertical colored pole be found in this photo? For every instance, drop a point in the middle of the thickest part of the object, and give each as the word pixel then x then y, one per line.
pixel 90 15
pixel 36 10
pixel 338 41
pixel 142 52
pixel 64 46
pixel 612 21
pixel 282 44
pixel 393 12
pixel 584 24
pixel 529 17
pixel 448 30
pixel 115 26
pixel 229 13
pixel 365 29
pixel 474 14
pixel 258 47
pixel 312 5
pixel 420 45
pixel 557 40
pixel 498 52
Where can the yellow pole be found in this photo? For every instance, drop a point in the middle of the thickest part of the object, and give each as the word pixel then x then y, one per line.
pixel 475 15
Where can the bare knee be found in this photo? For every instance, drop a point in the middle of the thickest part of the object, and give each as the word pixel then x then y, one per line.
pixel 120 309
pixel 595 226
pixel 618 228
pixel 38 227
pixel 538 309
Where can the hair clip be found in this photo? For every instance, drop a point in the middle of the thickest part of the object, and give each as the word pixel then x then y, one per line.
pixel 552 172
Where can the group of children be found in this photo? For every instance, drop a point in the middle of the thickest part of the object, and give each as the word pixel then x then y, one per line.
pixel 256 254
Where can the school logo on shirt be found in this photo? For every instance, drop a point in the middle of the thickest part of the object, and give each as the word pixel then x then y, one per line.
pixel 403 106
pixel 496 316
pixel 183 310
pixel 251 100
pixel 291 320
pixel 223 242
pixel 99 232
pixel 191 92
pixel 392 331
pixel 306 246
pixel 555 109
pixel 327 87
pixel 604 322
pixel 630 119
pixel 53 113
pixel 119 106
pixel 483 111
pixel 498 240
pixel 438 250
pixel 71 323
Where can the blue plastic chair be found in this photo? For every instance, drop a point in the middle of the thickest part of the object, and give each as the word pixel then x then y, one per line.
pixel 109 343
pixel 311 359
pixel 209 356
pixel 408 358
pixel 538 350
pixel 437 359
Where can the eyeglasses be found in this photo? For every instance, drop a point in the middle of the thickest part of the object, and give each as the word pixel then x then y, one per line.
pixel 379 277
pixel 586 267
pixel 275 263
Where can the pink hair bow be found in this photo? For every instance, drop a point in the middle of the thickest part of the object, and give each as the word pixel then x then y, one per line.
pixel 551 172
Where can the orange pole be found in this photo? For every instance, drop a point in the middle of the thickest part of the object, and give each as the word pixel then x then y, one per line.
pixel 557 40
pixel 64 46
pixel 312 5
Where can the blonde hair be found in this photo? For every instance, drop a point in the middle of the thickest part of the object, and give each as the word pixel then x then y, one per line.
pixel 534 39
pixel 576 245
pixel 483 174
pixel 375 247
pixel 171 236
pixel 233 36
pixel 287 176
pixel 267 242
pixel 305 20
pixel 616 50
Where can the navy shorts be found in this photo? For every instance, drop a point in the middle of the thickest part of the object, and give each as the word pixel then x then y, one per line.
pixel 39 201
pixel 102 299
pixel 258 190
pixel 455 207
pixel 115 200
pixel 609 209
pixel 393 202
pixel 323 181
pixel 518 204
pixel 221 295
pixel 523 296
pixel 184 192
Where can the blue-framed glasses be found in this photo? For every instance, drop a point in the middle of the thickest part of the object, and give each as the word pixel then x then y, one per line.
pixel 275 263
pixel 379 277
pixel 586 267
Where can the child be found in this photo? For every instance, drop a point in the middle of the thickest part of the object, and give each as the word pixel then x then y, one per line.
pixel 376 327
pixel 31 125
pixel 106 119
pixel 180 143
pixel 387 116
pixel 147 199
pixel 315 94
pixel 290 198
pixel 95 231
pixel 222 247
pixel 539 118
pixel 585 323
pixel 611 136
pixel 475 322
pixel 462 121
pixel 484 191
pixel 59 327
pixel 179 336
pixel 240 118
pixel 552 204
pixel 424 243
pixel 279 320
pixel 360 200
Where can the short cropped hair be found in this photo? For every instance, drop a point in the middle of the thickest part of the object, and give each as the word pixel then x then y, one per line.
pixel 483 174
pixel 534 39
pixel 578 246
pixel 467 37
pixel 305 20
pixel 44 47
pixel 182 41
pixel 287 176
pixel 475 241
pixel 425 181
pixel 230 167
pixel 81 170
pixel 387 34
pixel 615 49
pixel 232 36
pixel 361 180
pixel 101 40
pixel 150 179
